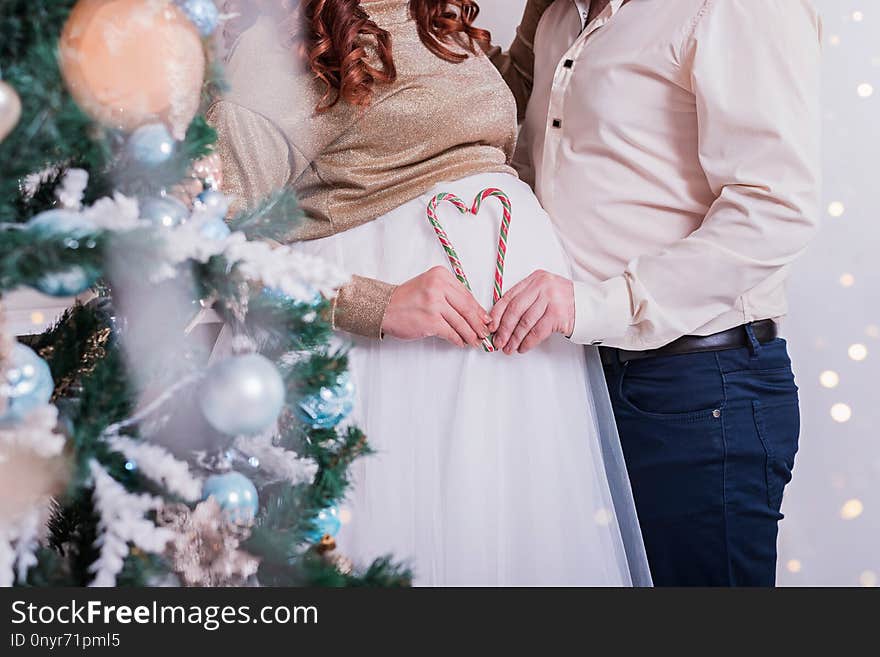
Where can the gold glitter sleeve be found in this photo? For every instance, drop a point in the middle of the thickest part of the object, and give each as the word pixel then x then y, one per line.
pixel 517 65
pixel 360 306
pixel 255 155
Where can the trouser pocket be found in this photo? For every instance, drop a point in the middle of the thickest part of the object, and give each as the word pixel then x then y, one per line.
pixel 778 427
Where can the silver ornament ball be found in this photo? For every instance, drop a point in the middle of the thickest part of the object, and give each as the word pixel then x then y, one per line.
pixel 242 395
pixel 165 211
pixel 10 109
pixel 213 203
pixel 203 14
pixel 215 229
pixel 151 145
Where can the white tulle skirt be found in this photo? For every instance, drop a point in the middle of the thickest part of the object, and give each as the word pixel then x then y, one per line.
pixel 489 470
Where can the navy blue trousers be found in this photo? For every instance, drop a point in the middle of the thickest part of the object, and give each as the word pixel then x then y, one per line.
pixel 710 441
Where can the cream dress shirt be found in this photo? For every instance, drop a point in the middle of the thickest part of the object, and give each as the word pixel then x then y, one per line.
pixel 675 144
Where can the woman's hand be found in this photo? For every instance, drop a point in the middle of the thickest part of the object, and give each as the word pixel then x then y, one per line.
pixel 436 304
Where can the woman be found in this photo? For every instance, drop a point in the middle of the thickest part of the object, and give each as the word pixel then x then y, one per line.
pixel 490 469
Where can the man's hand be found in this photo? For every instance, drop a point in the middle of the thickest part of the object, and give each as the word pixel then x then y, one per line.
pixel 436 304
pixel 532 311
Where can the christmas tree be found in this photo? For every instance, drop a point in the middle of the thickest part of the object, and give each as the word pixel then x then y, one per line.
pixel 138 447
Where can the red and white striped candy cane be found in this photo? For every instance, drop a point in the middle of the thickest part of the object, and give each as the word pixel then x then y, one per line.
pixel 452 254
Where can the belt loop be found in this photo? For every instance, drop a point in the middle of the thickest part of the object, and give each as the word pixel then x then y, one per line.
pixel 754 345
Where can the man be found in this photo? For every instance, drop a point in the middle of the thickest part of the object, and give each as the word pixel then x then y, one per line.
pixel 675 145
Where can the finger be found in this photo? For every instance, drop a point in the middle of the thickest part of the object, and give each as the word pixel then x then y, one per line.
pixel 469 308
pixel 446 332
pixel 501 307
pixel 512 316
pixel 529 319
pixel 460 325
pixel 541 331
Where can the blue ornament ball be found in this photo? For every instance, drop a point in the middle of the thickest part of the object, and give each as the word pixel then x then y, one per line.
pixel 215 229
pixel 326 523
pixel 203 14
pixel 76 279
pixel 25 384
pixel 215 203
pixel 235 494
pixel 242 395
pixel 151 145
pixel 68 283
pixel 165 211
pixel 329 406
pixel 54 222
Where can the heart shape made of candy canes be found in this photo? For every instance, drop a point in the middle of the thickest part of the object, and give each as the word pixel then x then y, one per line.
pixel 452 255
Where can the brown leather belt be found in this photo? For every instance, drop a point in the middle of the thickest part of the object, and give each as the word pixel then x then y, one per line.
pixel 735 338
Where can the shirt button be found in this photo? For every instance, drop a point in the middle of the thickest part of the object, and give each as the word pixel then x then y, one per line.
pixel 716 414
pixel 569 63
pixel 557 123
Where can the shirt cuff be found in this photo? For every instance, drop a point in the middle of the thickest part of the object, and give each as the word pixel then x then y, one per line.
pixel 602 313
pixel 360 306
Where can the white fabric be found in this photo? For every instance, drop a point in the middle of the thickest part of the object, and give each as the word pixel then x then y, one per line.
pixel 678 154
pixel 490 469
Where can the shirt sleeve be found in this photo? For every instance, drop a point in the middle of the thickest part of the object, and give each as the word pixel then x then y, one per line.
pixel 517 65
pixel 257 161
pixel 257 158
pixel 755 76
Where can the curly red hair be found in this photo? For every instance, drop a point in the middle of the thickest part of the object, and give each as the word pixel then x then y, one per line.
pixel 337 31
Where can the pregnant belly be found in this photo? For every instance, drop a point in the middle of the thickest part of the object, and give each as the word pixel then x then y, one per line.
pixel 403 244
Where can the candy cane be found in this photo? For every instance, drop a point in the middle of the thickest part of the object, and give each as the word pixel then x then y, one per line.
pixel 502 237
pixel 452 254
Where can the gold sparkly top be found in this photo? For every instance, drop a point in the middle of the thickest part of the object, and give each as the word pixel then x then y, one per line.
pixel 438 121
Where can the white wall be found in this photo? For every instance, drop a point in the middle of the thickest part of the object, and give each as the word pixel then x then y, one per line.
pixel 832 532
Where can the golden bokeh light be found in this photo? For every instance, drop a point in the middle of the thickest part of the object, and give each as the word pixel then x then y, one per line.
pixel 829 379
pixel 836 209
pixel 841 413
pixel 852 509
pixel 858 352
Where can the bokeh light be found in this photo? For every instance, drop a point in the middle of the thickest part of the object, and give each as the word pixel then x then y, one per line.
pixel 841 413
pixel 852 509
pixel 858 352
pixel 829 379
pixel 836 209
